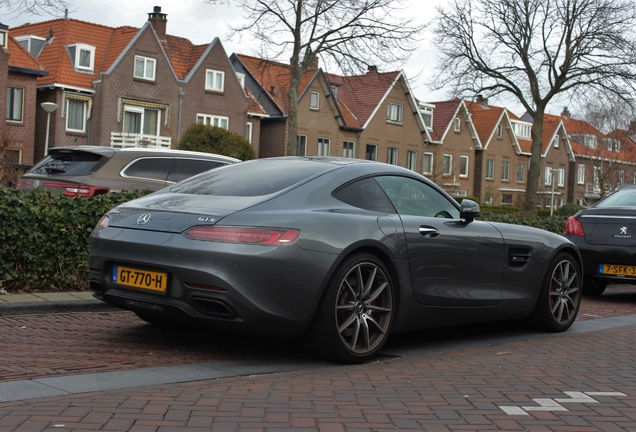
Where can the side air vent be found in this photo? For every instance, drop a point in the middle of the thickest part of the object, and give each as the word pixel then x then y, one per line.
pixel 518 257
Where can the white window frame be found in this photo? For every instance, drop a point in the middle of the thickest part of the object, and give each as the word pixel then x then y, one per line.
pixel 324 143
pixel 84 114
pixel 21 119
pixel 314 100
pixel 521 173
pixel 457 127
pixel 150 64
pixel 430 165
pixel 411 160
pixel 505 170
pixel 142 111
pixel 301 139
pixel 210 120
pixel 505 195
pixel 561 177
pixel 394 112
pixel 248 131
pixel 499 131
pixel 621 176
pixel 580 174
pixel 547 180
pixel 427 115
pixel 211 78
pixel 447 165
pixel 465 173
pixel 346 152
pixel 392 155
pixel 84 47
pixel 241 78
pixel 490 166
pixel 556 141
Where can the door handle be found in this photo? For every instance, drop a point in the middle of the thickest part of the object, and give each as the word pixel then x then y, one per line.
pixel 429 232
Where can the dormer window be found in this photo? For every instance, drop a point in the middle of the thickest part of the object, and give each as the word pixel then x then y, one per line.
pixel 33 44
pixel 241 78
pixel 82 56
pixel 4 35
pixel 427 115
pixel 522 130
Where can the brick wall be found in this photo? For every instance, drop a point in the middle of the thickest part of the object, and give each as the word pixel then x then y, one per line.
pixel 21 135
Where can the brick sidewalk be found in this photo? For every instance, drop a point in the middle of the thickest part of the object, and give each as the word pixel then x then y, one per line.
pixel 454 391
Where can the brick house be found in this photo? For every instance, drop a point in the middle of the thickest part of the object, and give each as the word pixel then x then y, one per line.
pixel 127 87
pixel 19 72
pixel 371 116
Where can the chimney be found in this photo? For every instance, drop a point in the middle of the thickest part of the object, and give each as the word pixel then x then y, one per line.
pixel 481 100
pixel 313 64
pixel 372 69
pixel 566 114
pixel 158 21
pixel 66 14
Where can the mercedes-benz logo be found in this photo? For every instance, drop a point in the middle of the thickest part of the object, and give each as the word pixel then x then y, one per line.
pixel 143 219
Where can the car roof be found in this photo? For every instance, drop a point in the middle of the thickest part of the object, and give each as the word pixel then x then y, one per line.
pixel 141 151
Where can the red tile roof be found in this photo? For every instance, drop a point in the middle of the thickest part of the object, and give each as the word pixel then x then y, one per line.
pixel 443 115
pixel 19 57
pixel 366 91
pixel 485 118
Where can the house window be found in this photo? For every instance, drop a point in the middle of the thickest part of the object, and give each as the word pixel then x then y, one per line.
pixel 580 174
pixel 372 152
pixel 490 169
pixel 394 113
pixel 12 156
pixel 314 100
pixel 145 68
pixel 334 91
pixel 411 159
pixel 463 166
pixel 458 124
pixel 33 44
pixel 447 165
pixel 499 131
pixel 621 176
pixel 348 148
pixel 506 199
pixel 427 163
pixel 556 141
pixel 214 80
pixel 248 132
pixel 427 115
pixel 561 179
pixel 301 145
pixel 547 176
pixel 212 120
pixel 488 198
pixel 505 170
pixel 15 103
pixel 75 115
pixel 323 146
pixel 523 130
pixel 241 78
pixel 140 120
pixel 3 39
pixel 521 173
pixel 82 56
pixel 392 156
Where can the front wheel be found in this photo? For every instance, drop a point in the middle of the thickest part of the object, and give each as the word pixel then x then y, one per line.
pixel 560 296
pixel 355 314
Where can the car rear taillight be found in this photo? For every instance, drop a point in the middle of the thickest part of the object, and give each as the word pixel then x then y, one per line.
pixel 78 190
pixel 23 183
pixel 103 223
pixel 574 227
pixel 261 236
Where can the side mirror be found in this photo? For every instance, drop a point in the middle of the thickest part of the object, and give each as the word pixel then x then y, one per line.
pixel 469 210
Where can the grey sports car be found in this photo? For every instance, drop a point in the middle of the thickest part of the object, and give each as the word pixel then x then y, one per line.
pixel 342 252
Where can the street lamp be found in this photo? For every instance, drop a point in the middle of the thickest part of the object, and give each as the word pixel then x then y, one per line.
pixel 49 107
pixel 555 173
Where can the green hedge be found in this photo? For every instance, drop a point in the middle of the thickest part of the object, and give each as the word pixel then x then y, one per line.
pixel 44 238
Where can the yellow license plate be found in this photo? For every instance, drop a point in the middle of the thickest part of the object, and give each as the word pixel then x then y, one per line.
pixel 131 277
pixel 612 269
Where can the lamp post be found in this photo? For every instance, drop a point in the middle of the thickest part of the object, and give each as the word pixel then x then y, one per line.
pixel 49 107
pixel 555 173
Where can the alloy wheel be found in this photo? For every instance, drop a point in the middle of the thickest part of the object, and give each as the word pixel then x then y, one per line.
pixel 564 292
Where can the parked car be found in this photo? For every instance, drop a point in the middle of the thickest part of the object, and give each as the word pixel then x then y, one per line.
pixel 606 237
pixel 95 170
pixel 341 251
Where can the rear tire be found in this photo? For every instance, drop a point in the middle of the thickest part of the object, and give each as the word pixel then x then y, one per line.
pixel 355 313
pixel 560 297
pixel 593 287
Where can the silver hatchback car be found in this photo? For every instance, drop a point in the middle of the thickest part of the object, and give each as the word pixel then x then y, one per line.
pixel 95 170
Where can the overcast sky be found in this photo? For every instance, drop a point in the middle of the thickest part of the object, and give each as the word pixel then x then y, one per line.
pixel 201 23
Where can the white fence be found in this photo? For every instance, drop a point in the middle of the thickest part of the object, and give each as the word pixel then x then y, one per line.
pixel 123 140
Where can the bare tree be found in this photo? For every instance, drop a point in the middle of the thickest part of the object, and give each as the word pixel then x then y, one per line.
pixel 34 7
pixel 352 34
pixel 535 50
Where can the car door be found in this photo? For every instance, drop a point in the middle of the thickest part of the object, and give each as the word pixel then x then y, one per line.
pixel 452 262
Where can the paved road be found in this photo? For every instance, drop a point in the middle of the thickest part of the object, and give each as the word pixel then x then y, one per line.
pixel 470 378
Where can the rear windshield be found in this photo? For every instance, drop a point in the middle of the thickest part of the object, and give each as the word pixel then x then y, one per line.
pixel 621 198
pixel 253 178
pixel 69 164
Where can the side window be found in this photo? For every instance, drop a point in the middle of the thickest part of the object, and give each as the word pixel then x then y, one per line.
pixel 149 168
pixel 365 194
pixel 184 168
pixel 413 197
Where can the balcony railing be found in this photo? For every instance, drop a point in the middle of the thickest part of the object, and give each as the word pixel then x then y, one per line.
pixel 592 190
pixel 124 139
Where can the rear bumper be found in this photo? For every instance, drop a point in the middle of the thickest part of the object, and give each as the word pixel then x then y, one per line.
pixel 596 255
